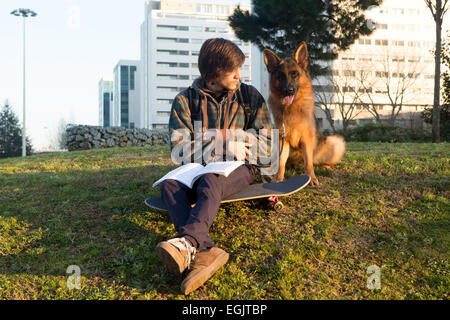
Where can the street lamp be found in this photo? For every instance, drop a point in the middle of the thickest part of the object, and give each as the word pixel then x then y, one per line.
pixel 25 13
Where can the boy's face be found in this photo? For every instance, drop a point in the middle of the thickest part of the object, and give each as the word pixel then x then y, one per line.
pixel 229 80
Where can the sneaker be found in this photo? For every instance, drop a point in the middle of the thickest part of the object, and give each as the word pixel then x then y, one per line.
pixel 206 263
pixel 177 254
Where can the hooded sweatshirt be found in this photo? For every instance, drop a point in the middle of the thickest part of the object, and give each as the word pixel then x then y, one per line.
pixel 197 110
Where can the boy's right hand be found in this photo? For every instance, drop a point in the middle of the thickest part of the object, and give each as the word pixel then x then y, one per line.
pixel 238 149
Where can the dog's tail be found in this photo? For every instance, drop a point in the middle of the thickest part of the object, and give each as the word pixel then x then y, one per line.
pixel 329 150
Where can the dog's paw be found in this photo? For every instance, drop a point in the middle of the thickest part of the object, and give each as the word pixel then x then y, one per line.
pixel 314 182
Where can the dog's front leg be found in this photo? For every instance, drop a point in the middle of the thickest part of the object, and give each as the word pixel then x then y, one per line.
pixel 308 152
pixel 282 163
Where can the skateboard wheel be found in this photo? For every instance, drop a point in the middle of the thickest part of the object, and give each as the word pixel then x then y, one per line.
pixel 278 205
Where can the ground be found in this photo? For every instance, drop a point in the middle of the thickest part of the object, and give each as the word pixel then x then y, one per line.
pixel 384 204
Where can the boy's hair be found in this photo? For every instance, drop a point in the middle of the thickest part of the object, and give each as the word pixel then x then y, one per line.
pixel 217 56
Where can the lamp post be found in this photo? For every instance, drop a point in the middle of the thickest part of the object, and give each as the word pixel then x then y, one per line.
pixel 25 13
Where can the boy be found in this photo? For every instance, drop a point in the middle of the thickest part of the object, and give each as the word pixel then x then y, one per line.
pixel 218 101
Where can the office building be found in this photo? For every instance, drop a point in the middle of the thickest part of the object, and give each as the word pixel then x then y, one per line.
pixel 392 66
pixel 127 109
pixel 171 37
pixel 105 101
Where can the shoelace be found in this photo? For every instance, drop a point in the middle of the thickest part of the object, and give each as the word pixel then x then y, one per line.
pixel 189 248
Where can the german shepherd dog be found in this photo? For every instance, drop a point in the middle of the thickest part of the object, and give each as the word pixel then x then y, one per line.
pixel 291 102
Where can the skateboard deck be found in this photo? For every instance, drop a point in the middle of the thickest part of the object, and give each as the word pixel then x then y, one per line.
pixel 271 190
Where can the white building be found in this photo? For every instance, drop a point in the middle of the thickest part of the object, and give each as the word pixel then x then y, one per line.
pixel 397 55
pixel 127 111
pixel 171 37
pixel 105 87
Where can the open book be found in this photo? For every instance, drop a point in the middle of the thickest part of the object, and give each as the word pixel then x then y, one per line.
pixel 188 173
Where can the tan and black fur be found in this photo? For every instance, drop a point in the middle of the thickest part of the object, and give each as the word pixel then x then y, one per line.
pixel 291 102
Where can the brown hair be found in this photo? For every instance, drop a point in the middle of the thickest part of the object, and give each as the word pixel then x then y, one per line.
pixel 217 56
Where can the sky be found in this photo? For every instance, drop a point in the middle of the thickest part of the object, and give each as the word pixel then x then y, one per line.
pixel 70 45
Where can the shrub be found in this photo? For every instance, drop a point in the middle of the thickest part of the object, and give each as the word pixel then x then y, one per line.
pixel 380 132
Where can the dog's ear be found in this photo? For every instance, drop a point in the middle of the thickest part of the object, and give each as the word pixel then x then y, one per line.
pixel 271 60
pixel 301 55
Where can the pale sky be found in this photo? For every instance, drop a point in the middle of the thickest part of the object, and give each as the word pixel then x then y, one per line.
pixel 70 45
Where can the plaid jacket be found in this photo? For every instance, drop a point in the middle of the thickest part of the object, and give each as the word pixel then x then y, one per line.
pixel 243 109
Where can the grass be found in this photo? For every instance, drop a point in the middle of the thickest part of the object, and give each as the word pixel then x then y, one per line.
pixel 383 204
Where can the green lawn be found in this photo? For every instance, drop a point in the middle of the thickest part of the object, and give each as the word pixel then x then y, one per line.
pixel 383 204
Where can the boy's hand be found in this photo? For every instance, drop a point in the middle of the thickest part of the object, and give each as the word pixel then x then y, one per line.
pixel 238 149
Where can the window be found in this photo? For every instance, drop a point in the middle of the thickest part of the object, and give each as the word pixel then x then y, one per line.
pixel 398 11
pixel 164 101
pixel 197 29
pixel 204 8
pixel 398 43
pixel 413 75
pixel 398 27
pixel 132 72
pixel 381 26
pixel 365 41
pixel 413 27
pixel 173 52
pixel 172 40
pixel 172 77
pixel 163 113
pixel 210 29
pixel 398 59
pixel 167 89
pixel 349 73
pixel 173 64
pixel 414 44
pixel 173 28
pixel 413 12
pixel 381 42
pixel 348 89
pixel 398 75
pixel 381 74
pixel 223 10
pixel 196 41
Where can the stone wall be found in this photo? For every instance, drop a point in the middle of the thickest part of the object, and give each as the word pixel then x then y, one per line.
pixel 90 137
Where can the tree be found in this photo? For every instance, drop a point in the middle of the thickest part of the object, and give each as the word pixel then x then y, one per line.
pixel 438 9
pixel 393 82
pixel 327 26
pixel 11 134
pixel 445 57
pixel 340 92
pixel 61 136
pixel 444 114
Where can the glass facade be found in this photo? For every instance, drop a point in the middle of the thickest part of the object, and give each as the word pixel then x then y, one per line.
pixel 127 83
pixel 107 98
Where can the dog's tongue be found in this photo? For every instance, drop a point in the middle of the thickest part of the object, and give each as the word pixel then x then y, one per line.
pixel 289 99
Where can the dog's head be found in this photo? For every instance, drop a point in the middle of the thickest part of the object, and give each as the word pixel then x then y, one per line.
pixel 289 75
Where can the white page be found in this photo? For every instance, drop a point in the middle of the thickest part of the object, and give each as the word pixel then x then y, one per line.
pixel 220 167
pixel 188 173
pixel 184 174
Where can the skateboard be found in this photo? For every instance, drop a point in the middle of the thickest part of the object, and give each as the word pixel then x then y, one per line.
pixel 271 190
